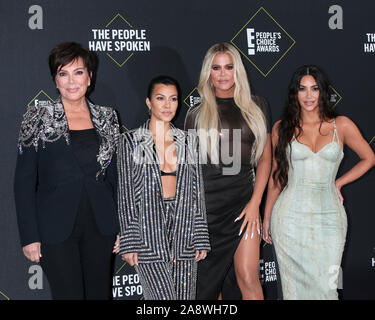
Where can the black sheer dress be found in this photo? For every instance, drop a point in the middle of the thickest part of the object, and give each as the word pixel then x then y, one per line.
pixel 228 188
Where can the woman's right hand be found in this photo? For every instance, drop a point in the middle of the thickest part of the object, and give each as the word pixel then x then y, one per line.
pixel 32 252
pixel 131 258
pixel 266 231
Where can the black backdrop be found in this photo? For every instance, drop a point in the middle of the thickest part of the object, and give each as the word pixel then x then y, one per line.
pixel 171 37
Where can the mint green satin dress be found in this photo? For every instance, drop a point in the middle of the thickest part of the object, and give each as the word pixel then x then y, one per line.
pixel 309 224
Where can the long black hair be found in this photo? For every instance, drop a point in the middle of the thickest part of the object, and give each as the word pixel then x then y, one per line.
pixel 290 119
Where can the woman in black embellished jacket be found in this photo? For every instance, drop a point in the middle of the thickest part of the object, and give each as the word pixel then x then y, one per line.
pixel 65 182
pixel 161 200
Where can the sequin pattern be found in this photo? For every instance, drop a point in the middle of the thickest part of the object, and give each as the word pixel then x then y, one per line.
pixel 47 123
pixel 140 202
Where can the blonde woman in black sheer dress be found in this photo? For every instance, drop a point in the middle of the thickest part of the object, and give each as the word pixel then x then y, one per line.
pixel 233 131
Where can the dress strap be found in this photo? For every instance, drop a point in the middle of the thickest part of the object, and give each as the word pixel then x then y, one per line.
pixel 335 134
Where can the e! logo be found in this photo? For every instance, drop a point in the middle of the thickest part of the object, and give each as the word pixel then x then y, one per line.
pixel 337 20
pixel 36 20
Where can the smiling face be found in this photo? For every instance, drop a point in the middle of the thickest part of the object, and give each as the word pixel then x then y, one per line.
pixel 72 80
pixel 308 93
pixel 163 103
pixel 222 75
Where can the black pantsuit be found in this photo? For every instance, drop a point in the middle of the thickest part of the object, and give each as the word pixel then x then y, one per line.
pixel 65 192
pixel 80 267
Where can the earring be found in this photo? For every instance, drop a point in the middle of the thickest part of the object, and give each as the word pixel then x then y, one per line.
pixel 88 84
pixel 149 111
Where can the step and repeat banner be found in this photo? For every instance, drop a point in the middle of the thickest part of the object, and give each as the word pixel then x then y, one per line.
pixel 137 40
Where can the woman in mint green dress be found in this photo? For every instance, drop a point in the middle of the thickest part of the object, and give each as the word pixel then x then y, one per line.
pixel 304 209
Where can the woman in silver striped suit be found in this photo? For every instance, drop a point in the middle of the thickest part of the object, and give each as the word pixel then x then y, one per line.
pixel 161 200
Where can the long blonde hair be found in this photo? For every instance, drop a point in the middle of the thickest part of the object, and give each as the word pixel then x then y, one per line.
pixel 207 117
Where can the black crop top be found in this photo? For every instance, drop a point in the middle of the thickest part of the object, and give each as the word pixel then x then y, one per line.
pixel 162 173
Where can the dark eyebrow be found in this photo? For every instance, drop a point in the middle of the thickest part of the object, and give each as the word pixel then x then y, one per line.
pixel 73 70
pixel 160 94
pixel 313 86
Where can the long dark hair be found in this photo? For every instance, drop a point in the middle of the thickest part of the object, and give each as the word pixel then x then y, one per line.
pixel 290 119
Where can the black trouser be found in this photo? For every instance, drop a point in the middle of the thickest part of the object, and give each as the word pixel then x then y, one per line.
pixel 81 267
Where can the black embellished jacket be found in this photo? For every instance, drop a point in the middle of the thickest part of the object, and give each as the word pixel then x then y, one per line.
pixel 140 199
pixel 49 181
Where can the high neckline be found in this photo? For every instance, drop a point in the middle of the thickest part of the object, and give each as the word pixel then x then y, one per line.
pixel 224 99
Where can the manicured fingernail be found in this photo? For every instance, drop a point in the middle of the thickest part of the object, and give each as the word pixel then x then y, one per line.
pixel 252 235
pixel 240 233
pixel 246 236
pixel 236 219
pixel 258 231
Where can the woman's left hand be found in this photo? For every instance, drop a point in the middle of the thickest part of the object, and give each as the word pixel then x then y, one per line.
pixel 251 221
pixel 200 255
pixel 116 247
pixel 338 188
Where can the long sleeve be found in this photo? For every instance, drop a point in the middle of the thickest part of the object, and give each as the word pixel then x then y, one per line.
pixel 201 236
pixel 112 176
pixel 25 180
pixel 112 168
pixel 130 237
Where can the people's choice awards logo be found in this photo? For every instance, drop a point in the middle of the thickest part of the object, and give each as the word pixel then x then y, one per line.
pixel 193 99
pixel 40 99
pixel 334 97
pixel 119 40
pixel 263 41
pixel 267 271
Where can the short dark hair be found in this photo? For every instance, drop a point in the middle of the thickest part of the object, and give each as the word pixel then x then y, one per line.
pixel 166 80
pixel 66 52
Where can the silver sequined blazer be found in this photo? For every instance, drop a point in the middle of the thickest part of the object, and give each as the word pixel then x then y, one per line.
pixel 140 200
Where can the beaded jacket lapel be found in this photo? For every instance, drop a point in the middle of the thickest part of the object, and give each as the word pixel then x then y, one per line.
pixel 48 123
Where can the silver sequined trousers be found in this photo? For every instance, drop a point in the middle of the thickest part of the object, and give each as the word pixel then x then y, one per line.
pixel 168 280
